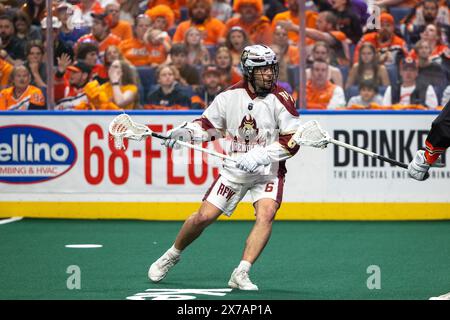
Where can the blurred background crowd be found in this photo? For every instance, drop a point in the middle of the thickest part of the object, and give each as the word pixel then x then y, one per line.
pixel 178 55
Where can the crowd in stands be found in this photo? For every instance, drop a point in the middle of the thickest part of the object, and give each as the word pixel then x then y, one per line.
pixel 178 55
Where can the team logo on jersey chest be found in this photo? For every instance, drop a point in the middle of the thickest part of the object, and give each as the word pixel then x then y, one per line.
pixel 248 130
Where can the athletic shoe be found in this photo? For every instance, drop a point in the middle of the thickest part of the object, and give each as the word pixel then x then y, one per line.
pixel 240 280
pixel 159 269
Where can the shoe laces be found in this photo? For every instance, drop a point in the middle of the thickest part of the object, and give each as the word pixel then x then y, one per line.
pixel 167 262
pixel 244 277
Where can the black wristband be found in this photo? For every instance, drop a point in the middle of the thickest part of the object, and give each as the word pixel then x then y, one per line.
pixel 115 83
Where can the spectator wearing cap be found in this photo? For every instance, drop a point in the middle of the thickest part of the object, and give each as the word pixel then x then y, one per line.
pixel 147 47
pixel 210 88
pixel 72 27
pixel 188 74
pixel 212 29
pixel 21 95
pixel 410 92
pixel 236 40
pixel 169 95
pixel 60 46
pixel 120 28
pixel 289 19
pixel 35 9
pixel 161 17
pixel 390 47
pixel 222 10
pixel 320 92
pixel 69 91
pixel 12 49
pixel 87 7
pixel 101 32
pixel 252 20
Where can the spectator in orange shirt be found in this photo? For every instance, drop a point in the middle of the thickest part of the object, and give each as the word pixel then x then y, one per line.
pixel 198 54
pixel 21 95
pixel 290 18
pixel 5 72
pixel 326 30
pixel 101 33
pixel 88 7
pixel 229 74
pixel 428 12
pixel 120 92
pixel 291 53
pixel 69 86
pixel 320 92
pixel 147 46
pixel 174 5
pixel 120 28
pixel 390 47
pixel 432 34
pixel 236 40
pixel 252 20
pixel 212 29
pixel 161 16
pixel 321 51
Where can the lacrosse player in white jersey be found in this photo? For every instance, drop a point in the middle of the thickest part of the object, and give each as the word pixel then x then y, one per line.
pixel 258 119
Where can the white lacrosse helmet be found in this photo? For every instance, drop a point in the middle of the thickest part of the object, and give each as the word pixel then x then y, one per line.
pixel 257 56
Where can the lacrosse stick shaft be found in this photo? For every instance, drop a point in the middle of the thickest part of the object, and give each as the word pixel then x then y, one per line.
pixel 211 152
pixel 368 153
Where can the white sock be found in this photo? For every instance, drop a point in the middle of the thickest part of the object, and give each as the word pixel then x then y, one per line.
pixel 174 252
pixel 244 265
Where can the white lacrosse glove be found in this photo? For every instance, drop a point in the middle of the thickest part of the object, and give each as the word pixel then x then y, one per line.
pixel 251 160
pixel 310 134
pixel 418 167
pixel 178 133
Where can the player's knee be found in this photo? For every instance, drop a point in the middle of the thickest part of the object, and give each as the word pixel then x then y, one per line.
pixel 266 214
pixel 200 219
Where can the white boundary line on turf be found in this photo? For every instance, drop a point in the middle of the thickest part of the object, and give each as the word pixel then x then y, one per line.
pixel 442 297
pixel 13 219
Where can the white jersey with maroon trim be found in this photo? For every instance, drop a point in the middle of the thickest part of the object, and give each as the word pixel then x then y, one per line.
pixel 246 120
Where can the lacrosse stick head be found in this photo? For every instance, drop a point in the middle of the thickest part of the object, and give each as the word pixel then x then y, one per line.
pixel 122 127
pixel 312 135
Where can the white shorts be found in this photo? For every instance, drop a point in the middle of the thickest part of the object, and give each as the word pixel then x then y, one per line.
pixel 226 195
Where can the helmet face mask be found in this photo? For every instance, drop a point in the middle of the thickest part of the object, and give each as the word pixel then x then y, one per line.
pixel 260 66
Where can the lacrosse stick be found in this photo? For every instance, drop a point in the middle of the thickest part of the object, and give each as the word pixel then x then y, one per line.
pixel 311 134
pixel 122 127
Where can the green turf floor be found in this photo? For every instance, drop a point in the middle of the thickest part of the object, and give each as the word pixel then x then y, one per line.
pixel 303 260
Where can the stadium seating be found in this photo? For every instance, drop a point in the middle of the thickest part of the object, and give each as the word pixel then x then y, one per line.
pixel 147 79
pixel 393 73
pixel 399 13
